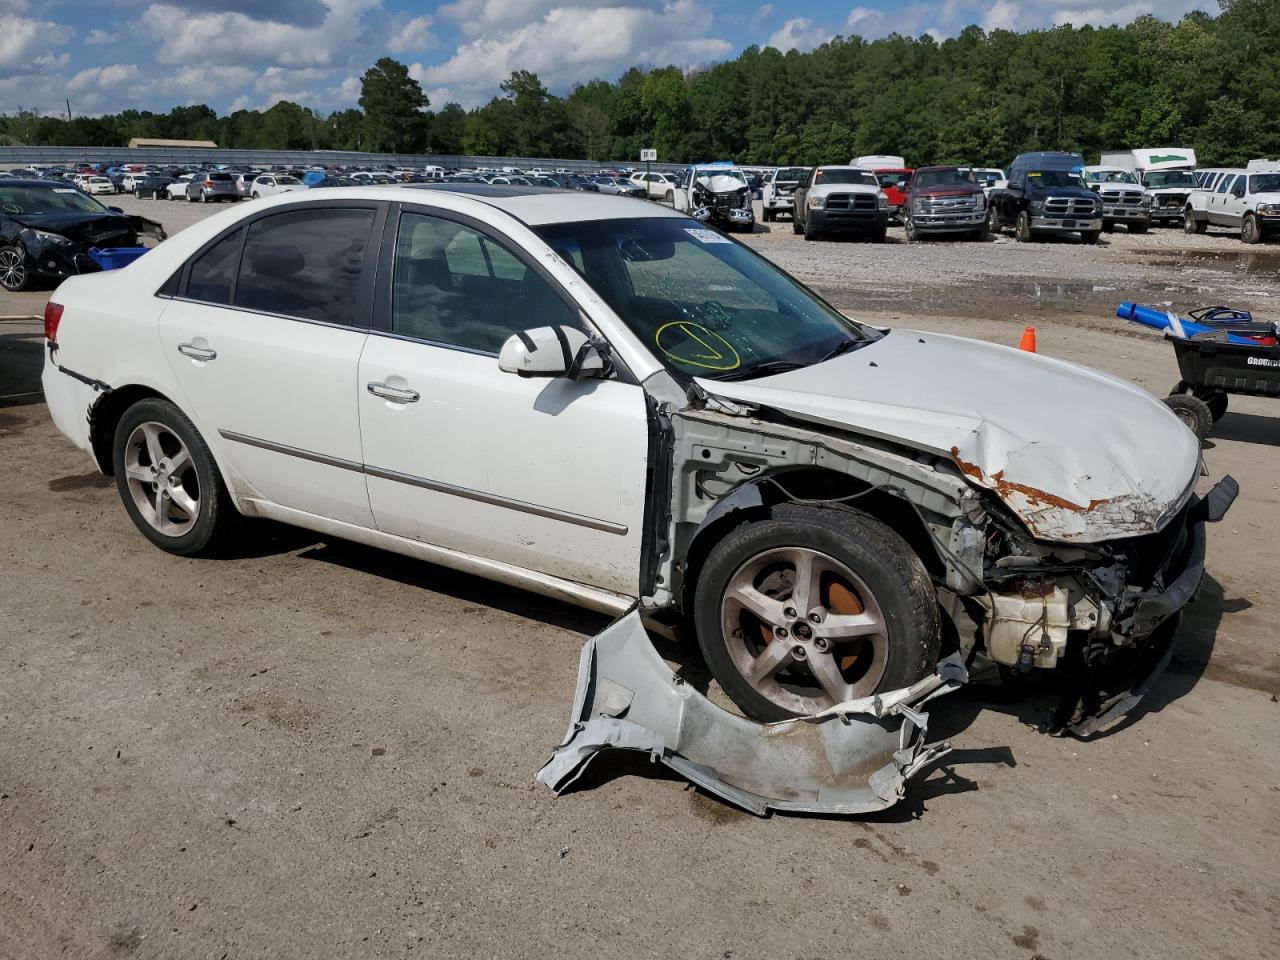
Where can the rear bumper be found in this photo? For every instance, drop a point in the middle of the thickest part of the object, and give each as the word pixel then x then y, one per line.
pixel 71 399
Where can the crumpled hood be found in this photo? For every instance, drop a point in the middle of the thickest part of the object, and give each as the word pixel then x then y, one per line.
pixel 92 229
pixel 718 183
pixel 1077 454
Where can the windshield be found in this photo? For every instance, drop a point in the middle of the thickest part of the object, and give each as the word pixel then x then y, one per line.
pixel 789 174
pixel 944 178
pixel 988 177
pixel 287 181
pixel 1169 178
pixel 846 175
pixel 892 179
pixel 1052 178
pixel 705 305
pixel 1110 176
pixel 1265 183
pixel 15 199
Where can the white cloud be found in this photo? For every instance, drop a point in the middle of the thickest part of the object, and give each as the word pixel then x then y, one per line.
pixel 413 35
pixel 571 44
pixel 24 39
pixel 227 37
pixel 762 14
pixel 99 38
pixel 103 78
pixel 863 18
pixel 798 34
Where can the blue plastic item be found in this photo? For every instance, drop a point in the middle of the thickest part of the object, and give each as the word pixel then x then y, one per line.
pixel 113 258
pixel 1158 319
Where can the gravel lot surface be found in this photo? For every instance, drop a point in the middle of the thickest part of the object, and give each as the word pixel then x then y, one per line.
pixel 316 749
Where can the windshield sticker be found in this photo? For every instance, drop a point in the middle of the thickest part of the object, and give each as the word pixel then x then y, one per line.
pixel 693 345
pixel 705 236
pixel 1034 173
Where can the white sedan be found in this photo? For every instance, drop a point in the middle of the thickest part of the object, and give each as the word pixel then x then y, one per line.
pixel 270 184
pixel 608 402
pixel 97 185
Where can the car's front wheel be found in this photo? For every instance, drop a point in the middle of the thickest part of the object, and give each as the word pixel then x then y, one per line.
pixel 1249 230
pixel 169 481
pixel 812 607
pixel 1022 231
pixel 14 275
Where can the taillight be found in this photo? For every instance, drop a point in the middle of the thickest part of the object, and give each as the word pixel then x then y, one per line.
pixel 52 317
pixel 208 183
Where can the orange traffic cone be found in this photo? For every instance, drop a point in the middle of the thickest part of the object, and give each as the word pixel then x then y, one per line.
pixel 1028 341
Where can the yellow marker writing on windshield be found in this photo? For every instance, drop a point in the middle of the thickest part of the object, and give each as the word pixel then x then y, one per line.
pixel 693 345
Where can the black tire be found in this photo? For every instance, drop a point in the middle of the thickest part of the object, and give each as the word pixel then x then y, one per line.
pixel 1250 232
pixel 217 522
pixel 1108 228
pixel 767 216
pixel 889 568
pixel 1022 231
pixel 14 275
pixel 909 228
pixel 809 232
pixel 796 226
pixel 1192 411
pixel 1090 236
pixel 1216 401
pixel 1138 227
pixel 983 233
pixel 880 234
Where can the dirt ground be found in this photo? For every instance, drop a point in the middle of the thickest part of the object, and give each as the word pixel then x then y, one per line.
pixel 319 750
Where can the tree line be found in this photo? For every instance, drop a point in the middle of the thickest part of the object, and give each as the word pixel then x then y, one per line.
pixel 1212 83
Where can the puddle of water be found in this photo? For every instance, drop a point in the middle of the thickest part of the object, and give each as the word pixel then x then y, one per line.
pixel 1246 261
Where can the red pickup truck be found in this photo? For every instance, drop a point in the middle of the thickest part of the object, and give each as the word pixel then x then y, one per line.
pixel 944 200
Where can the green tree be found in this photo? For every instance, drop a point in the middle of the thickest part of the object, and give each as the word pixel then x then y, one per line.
pixel 393 104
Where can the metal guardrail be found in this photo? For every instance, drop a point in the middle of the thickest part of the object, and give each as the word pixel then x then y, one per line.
pixel 23 156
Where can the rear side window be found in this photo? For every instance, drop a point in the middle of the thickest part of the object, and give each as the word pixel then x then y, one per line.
pixel 306 263
pixel 219 176
pixel 213 271
pixel 1226 182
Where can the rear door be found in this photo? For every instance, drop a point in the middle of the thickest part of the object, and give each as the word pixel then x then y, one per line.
pixel 1217 204
pixel 544 474
pixel 264 336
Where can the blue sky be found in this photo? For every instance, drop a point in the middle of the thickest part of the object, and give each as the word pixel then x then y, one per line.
pixel 232 54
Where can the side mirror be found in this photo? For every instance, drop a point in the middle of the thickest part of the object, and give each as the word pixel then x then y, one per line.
pixel 116 209
pixel 554 352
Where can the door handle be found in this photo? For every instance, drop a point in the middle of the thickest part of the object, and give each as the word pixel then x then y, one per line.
pixel 394 394
pixel 197 353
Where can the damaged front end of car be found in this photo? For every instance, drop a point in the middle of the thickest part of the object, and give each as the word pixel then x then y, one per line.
pixel 1031 570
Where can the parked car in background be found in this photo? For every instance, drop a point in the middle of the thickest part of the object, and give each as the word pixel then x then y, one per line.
pixel 270 184
pixel 892 173
pixel 152 186
pixel 334 182
pixel 621 187
pixel 1247 200
pixel 97 185
pixel 1167 173
pixel 47 228
pixel 988 178
pixel 658 186
pixel 1046 196
pixel 840 199
pixel 178 189
pixel 1124 200
pixel 944 200
pixel 717 192
pixel 212 186
pixel 777 192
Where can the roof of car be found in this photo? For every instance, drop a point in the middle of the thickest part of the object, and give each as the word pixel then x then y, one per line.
pixel 543 205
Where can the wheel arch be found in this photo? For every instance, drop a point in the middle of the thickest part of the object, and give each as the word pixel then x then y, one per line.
pixel 814 486
pixel 105 414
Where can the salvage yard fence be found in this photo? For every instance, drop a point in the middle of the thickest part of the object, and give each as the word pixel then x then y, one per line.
pixel 66 156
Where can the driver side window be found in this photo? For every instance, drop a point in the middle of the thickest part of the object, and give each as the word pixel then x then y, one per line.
pixel 456 287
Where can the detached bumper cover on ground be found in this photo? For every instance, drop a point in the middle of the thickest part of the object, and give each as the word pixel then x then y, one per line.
pixel 854 758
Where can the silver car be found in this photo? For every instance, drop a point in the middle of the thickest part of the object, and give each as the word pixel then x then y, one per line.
pixel 620 186
pixel 214 185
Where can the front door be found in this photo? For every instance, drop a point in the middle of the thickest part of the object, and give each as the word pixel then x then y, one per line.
pixel 264 339
pixel 544 474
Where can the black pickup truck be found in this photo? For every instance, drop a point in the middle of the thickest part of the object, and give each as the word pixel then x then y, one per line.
pixel 1044 196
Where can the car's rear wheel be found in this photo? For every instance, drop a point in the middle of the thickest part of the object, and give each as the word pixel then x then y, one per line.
pixel 812 607
pixel 169 481
pixel 14 275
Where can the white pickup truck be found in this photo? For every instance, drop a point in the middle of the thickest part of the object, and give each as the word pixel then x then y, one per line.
pixel 1247 200
pixel 777 192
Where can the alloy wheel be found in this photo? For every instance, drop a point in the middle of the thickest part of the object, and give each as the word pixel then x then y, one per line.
pixel 13 268
pixel 803 629
pixel 162 479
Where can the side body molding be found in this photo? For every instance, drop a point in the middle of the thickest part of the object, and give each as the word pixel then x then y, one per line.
pixel 852 759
